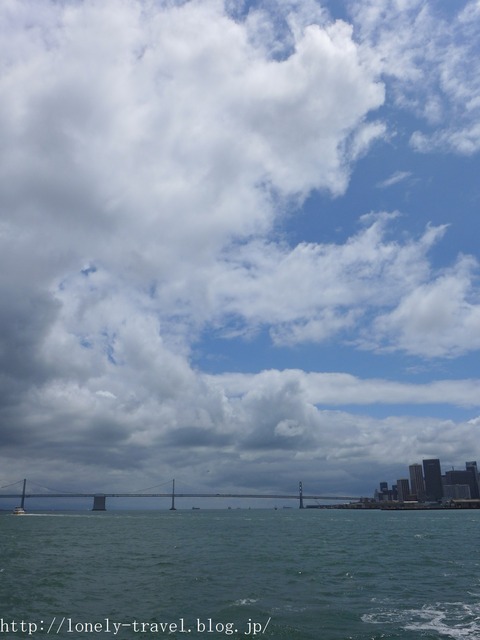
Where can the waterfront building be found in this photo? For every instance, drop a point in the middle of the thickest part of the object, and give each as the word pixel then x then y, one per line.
pixel 456 491
pixel 433 479
pixel 463 491
pixel 417 485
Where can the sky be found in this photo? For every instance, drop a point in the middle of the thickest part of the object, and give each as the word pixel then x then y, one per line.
pixel 238 243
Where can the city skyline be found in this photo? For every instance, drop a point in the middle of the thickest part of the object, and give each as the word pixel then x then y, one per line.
pixel 427 483
pixel 238 241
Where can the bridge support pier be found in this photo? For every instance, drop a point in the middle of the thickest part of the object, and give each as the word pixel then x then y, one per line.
pixel 99 502
pixel 300 491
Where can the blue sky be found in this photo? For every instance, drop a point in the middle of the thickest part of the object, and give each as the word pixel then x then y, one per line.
pixel 239 242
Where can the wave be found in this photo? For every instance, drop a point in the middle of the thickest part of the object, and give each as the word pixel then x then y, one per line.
pixel 451 619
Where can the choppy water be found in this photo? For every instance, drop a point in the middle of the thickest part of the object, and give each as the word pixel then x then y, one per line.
pixel 298 575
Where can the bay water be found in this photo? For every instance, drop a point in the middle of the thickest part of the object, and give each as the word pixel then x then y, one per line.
pixel 238 573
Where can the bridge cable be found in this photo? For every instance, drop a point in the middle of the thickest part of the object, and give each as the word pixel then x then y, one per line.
pixel 11 485
pixel 162 484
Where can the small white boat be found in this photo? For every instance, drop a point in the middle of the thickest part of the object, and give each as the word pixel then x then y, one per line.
pixel 20 511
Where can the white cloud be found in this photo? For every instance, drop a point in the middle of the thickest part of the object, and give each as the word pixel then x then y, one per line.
pixel 426 52
pixel 342 389
pixel 149 167
pixel 106 394
pixel 313 292
pixel 143 140
pixel 150 127
pixel 438 318
pixel 395 178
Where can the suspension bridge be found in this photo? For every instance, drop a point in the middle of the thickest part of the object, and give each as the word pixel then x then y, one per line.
pixel 100 499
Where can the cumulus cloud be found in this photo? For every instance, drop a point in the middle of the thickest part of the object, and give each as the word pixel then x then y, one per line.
pixel 144 139
pixel 438 318
pixel 148 153
pixel 343 389
pixel 268 430
pixel 373 285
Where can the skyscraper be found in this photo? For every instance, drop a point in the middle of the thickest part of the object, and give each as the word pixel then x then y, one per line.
pixel 472 467
pixel 465 477
pixel 433 479
pixel 459 479
pixel 417 484
pixel 403 489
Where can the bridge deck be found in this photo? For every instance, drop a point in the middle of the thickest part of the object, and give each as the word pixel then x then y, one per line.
pixel 274 496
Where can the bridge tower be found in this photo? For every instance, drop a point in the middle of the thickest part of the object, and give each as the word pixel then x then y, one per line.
pixel 172 508
pixel 300 491
pixel 22 504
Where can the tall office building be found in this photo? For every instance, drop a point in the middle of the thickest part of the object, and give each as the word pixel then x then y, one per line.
pixel 403 489
pixel 417 484
pixel 384 493
pixel 433 479
pixel 466 477
pixel 472 467
pixel 457 479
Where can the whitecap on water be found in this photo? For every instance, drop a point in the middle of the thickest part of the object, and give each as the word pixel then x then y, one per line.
pixel 243 602
pixel 450 619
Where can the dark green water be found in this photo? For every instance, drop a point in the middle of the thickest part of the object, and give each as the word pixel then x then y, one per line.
pixel 298 575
